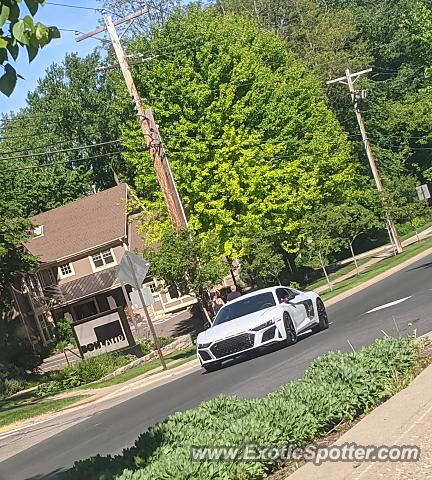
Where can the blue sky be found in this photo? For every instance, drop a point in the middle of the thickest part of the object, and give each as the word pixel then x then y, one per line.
pixel 63 18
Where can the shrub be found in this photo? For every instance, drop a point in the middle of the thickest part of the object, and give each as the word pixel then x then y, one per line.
pixel 89 370
pixel 336 387
pixel 64 334
pixel 147 346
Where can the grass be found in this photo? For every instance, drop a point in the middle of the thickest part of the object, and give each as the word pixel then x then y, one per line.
pixel 176 359
pixel 380 267
pixel 15 410
pixel 333 276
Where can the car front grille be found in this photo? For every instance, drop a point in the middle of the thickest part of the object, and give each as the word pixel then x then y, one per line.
pixel 232 345
pixel 204 355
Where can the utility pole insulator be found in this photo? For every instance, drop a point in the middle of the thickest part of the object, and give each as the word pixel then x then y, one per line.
pixel 349 80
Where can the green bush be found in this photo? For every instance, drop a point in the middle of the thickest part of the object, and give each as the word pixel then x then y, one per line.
pixel 89 370
pixel 147 346
pixel 64 334
pixel 337 387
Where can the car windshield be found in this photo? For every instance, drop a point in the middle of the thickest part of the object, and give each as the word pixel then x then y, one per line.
pixel 244 307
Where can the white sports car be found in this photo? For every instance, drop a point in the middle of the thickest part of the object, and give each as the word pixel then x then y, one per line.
pixel 260 318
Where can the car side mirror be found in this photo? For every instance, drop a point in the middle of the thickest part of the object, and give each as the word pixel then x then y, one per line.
pixel 288 298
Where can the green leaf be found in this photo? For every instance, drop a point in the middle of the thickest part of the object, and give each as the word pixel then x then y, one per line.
pixel 3 43
pixel 4 14
pixel 8 80
pixel 28 22
pixel 3 55
pixel 13 50
pixel 31 52
pixel 54 33
pixel 32 5
pixel 42 34
pixel 19 31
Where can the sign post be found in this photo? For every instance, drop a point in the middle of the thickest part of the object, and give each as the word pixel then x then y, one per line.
pixel 133 270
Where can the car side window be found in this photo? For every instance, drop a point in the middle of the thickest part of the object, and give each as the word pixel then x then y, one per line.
pixel 283 293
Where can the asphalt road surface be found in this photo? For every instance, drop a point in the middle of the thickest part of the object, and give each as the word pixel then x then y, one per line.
pixel 109 431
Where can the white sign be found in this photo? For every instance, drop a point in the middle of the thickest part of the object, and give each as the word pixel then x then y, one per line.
pixel 140 266
pixel 136 301
pixel 101 335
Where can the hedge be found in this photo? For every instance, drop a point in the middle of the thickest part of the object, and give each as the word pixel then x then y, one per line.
pixel 336 388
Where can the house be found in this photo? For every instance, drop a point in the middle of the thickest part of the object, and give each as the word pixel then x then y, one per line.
pixel 79 247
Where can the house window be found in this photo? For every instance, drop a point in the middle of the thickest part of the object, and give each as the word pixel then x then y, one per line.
pixel 46 277
pixel 66 270
pixel 38 231
pixel 103 258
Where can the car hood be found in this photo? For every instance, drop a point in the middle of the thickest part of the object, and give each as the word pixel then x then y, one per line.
pixel 238 325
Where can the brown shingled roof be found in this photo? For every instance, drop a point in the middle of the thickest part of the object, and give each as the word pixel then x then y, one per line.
pixel 81 225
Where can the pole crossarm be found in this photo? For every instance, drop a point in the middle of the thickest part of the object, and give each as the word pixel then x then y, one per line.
pixel 128 18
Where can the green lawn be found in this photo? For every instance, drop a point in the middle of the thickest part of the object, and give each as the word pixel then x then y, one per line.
pixel 339 273
pixel 175 359
pixel 380 267
pixel 26 407
pixel 350 267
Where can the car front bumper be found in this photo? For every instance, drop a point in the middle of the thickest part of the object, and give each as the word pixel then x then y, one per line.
pixel 237 344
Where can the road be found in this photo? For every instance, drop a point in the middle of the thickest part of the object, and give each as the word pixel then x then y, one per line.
pixel 112 429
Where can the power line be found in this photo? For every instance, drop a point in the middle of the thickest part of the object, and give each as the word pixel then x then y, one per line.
pixel 25 116
pixel 60 151
pixel 34 148
pixel 74 6
pixel 44 165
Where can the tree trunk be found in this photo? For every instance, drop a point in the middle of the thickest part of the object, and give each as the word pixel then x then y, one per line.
pixel 354 258
pixel 325 271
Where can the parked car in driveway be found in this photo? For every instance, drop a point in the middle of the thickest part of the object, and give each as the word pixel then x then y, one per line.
pixel 267 316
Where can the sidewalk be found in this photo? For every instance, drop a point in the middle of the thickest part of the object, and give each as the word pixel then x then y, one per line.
pixel 376 255
pixel 405 419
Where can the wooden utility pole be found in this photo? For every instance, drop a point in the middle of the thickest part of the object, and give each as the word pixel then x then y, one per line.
pixel 147 124
pixel 349 80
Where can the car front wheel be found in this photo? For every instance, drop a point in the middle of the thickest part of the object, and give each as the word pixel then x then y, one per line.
pixel 323 322
pixel 289 329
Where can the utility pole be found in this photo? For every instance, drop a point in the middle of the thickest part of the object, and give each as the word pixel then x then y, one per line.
pixel 349 80
pixel 148 127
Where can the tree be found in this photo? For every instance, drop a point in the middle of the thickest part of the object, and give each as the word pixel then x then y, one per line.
pixel 320 239
pixel 325 40
pixel 22 33
pixel 353 219
pixel 249 136
pixel 71 107
pixel 186 263
pixel 404 203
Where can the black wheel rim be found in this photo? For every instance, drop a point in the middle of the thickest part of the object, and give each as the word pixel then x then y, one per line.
pixel 322 313
pixel 291 333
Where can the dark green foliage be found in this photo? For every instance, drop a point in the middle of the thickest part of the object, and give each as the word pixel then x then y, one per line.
pixel 87 371
pixel 337 387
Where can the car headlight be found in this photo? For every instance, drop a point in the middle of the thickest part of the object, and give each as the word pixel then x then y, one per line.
pixel 263 325
pixel 204 345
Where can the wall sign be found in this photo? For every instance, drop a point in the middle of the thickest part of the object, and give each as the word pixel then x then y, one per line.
pixel 105 332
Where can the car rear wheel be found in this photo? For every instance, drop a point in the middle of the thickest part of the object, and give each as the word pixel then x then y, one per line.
pixel 289 329
pixel 323 322
pixel 212 367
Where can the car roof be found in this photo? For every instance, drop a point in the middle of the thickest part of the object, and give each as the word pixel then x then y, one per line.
pixel 255 292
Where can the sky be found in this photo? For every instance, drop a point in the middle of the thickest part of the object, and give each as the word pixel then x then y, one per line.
pixel 82 20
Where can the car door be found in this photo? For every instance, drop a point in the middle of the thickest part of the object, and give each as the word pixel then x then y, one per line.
pixel 296 310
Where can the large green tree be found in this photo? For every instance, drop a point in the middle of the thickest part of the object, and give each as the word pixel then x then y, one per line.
pixel 247 130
